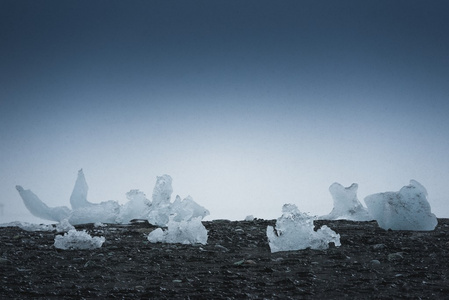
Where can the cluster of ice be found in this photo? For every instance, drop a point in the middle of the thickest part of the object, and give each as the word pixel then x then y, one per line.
pixel 78 240
pixel 183 232
pixel 407 209
pixel 346 204
pixel 295 231
pixel 138 206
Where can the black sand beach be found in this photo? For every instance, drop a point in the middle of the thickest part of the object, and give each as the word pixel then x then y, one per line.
pixel 236 263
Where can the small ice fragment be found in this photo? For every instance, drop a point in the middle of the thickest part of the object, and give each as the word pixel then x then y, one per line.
pixel 78 240
pixel 249 218
pixel 29 226
pixel 294 231
pixel 64 226
pixel 407 209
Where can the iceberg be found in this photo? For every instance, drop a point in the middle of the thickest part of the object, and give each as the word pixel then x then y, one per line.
pixel 74 240
pixel 407 209
pixel 295 231
pixel 183 232
pixel 346 204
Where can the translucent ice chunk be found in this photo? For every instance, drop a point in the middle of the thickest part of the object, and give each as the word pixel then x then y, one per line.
pixel 78 240
pixel 294 231
pixel 78 199
pixel 137 207
pixel 249 218
pixel 180 210
pixel 184 232
pixel 104 212
pixel 407 209
pixel 162 191
pixel 88 212
pixel 346 204
pixel 187 209
pixel 40 209
pixel 64 226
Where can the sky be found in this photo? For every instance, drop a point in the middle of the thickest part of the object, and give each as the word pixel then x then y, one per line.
pixel 248 105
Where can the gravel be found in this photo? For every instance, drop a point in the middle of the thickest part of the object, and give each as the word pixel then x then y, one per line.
pixel 236 263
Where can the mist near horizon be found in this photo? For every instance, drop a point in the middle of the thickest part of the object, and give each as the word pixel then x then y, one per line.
pixel 246 105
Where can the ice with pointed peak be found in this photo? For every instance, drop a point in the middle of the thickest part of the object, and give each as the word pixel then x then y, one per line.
pixel 87 212
pixel 162 191
pixel 78 199
pixel 346 204
pixel 183 232
pixel 295 231
pixel 407 209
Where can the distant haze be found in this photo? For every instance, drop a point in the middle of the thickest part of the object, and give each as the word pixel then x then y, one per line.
pixel 246 104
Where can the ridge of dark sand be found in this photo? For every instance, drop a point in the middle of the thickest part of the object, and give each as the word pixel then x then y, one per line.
pixel 236 263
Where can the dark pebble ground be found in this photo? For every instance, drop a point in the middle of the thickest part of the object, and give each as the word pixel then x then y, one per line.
pixel 236 263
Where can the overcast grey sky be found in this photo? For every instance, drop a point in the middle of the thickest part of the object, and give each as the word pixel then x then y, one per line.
pixel 246 104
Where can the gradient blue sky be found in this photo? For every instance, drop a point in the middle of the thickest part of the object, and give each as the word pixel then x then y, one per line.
pixel 246 104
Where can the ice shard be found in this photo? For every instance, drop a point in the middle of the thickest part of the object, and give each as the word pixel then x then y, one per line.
pixel 88 212
pixel 407 209
pixel 346 204
pixel 78 199
pixel 162 191
pixel 39 209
